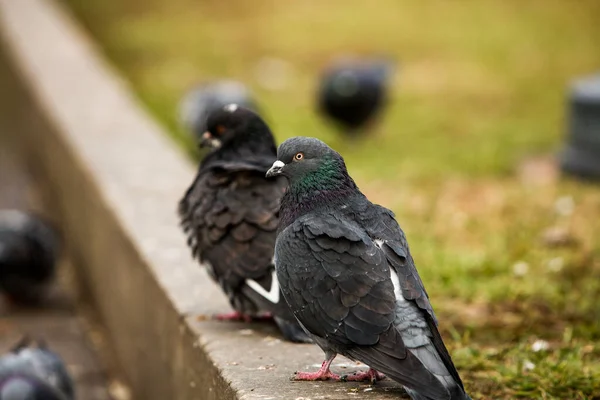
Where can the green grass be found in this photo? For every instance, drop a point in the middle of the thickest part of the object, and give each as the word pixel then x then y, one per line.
pixel 461 155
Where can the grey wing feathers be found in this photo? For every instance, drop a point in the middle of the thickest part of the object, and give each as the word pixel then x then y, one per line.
pixel 398 254
pixel 349 299
pixel 345 301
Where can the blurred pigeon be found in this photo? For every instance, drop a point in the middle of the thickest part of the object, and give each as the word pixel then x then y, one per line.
pixel 205 99
pixel 31 372
pixel 581 154
pixel 345 269
pixel 353 92
pixel 29 247
pixel 231 212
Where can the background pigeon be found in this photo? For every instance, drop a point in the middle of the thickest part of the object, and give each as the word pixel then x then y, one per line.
pixel 29 248
pixel 352 92
pixel 32 371
pixel 205 99
pixel 345 269
pixel 231 212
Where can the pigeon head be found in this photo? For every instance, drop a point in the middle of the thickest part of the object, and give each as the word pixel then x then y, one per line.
pixel 234 125
pixel 317 177
pixel 303 158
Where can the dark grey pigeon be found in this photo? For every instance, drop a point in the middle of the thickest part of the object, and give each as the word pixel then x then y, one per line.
pixel 207 98
pixel 353 92
pixel 230 215
pixel 32 372
pixel 346 271
pixel 29 247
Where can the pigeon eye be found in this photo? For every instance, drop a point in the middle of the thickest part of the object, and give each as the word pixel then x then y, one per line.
pixel 220 129
pixel 299 156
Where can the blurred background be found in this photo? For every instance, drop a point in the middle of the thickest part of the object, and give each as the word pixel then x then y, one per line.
pixel 465 153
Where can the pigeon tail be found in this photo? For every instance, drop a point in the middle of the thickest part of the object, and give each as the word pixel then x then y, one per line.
pixel 292 331
pixel 457 394
pixel 407 370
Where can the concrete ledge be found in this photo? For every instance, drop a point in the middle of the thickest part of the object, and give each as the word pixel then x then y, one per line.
pixel 114 179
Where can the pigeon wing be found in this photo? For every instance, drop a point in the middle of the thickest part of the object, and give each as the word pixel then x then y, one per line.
pixel 231 218
pixel 338 284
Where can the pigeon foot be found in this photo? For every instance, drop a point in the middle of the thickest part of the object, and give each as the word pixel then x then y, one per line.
pixel 370 376
pixel 233 316
pixel 316 376
pixel 322 374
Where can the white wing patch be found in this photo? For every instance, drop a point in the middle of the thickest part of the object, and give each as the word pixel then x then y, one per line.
pixel 231 107
pixel 393 276
pixel 273 294
pixel 396 283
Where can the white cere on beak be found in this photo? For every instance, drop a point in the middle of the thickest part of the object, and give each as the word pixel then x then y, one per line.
pixel 278 164
pixel 231 107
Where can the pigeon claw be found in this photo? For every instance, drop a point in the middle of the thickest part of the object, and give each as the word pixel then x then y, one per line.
pixel 370 376
pixel 320 375
pixel 233 316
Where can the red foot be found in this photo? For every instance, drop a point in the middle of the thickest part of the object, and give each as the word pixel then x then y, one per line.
pixel 370 376
pixel 316 376
pixel 233 316
pixel 238 316
pixel 322 374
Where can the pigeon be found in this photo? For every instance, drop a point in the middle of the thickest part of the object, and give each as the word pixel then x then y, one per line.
pixel 353 92
pixel 203 100
pixel 345 269
pixel 30 371
pixel 29 248
pixel 230 214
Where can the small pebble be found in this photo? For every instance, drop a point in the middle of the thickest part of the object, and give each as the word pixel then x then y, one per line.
pixel 540 345
pixel 119 391
pixel 528 365
pixel 564 206
pixel 520 268
pixel 556 264
pixel 557 236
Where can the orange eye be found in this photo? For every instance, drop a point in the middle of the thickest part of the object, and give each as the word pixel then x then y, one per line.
pixel 299 156
pixel 220 129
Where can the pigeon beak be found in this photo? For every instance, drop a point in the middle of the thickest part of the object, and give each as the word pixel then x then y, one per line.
pixel 207 140
pixel 276 169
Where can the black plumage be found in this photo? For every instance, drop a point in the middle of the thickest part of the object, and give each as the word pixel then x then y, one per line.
pixel 231 212
pixel 345 268
pixel 202 101
pixel 31 371
pixel 353 92
pixel 29 247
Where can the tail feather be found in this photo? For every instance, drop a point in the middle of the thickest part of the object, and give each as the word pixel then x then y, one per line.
pixel 390 357
pixel 456 393
pixel 420 370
